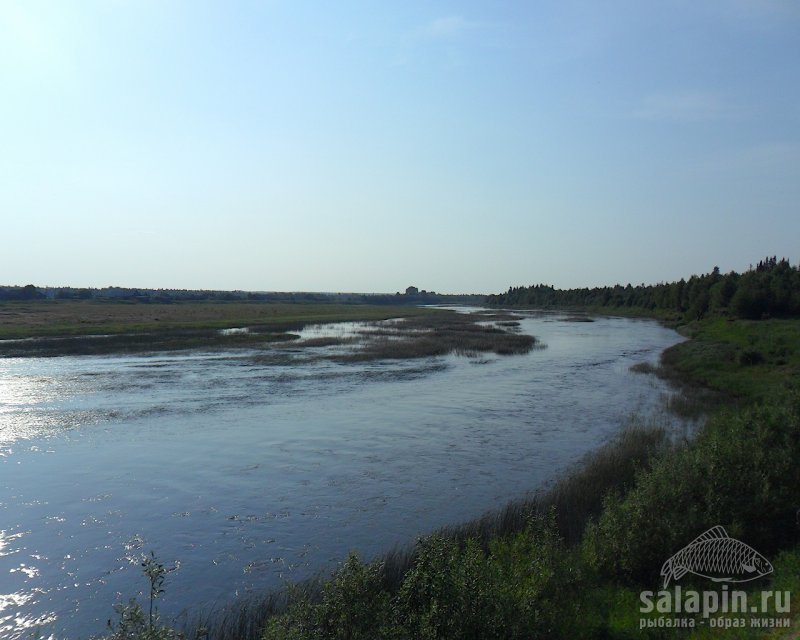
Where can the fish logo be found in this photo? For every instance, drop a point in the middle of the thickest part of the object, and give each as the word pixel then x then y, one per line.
pixel 718 557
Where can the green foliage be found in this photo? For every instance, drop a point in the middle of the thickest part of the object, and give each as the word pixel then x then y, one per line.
pixel 740 472
pixel 446 594
pixel 749 360
pixel 522 586
pixel 28 292
pixel 133 623
pixel 772 288
pixel 786 577
pixel 155 573
pixel 353 606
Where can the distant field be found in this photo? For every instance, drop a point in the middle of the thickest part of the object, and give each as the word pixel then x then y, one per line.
pixel 74 318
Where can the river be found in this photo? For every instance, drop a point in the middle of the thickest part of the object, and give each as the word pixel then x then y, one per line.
pixel 244 471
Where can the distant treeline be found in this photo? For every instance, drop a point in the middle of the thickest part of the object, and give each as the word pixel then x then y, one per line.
pixel 412 296
pixel 771 288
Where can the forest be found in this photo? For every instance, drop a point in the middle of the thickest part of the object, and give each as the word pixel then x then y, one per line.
pixel 769 289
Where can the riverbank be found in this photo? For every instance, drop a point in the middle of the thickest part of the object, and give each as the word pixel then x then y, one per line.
pixel 569 562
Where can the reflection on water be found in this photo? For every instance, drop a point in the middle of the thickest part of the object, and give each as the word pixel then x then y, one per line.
pixel 14 620
pixel 248 468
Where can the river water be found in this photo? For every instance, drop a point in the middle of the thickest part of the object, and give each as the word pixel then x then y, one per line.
pixel 244 471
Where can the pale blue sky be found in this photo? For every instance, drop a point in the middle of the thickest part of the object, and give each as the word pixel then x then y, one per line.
pixel 366 146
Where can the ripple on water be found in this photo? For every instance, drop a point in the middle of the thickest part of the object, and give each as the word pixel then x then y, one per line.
pixel 245 469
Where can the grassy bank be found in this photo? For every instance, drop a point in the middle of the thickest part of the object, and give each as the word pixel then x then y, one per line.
pixel 570 561
pixel 749 360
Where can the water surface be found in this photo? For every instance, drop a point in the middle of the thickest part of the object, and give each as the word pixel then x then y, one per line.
pixel 248 468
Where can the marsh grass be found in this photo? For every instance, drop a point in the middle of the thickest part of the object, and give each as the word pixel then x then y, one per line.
pixel 325 341
pixel 441 334
pixel 644 367
pixel 683 399
pixel 577 495
pixel 137 343
pixel 51 328
pixel 63 318
pixel 74 328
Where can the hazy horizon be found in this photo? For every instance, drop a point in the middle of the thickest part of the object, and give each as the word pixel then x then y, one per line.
pixel 380 292
pixel 459 147
pixel 376 292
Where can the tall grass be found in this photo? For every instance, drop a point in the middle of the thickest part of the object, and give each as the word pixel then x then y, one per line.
pixel 685 400
pixel 137 343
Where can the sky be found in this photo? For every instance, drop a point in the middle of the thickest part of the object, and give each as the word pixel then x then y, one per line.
pixel 368 146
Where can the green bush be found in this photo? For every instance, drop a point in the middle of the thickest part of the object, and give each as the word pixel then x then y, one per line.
pixel 353 606
pixel 741 472
pixel 448 593
pixel 524 586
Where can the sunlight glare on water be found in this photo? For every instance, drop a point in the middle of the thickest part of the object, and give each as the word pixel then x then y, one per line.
pixel 13 622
